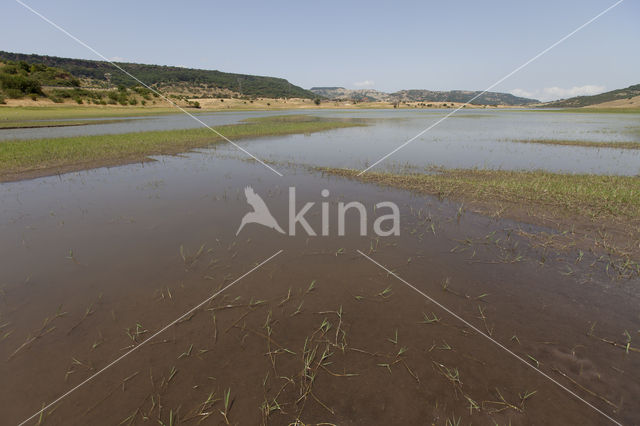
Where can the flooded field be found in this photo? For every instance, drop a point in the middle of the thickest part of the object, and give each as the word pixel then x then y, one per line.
pixel 95 263
pixel 469 139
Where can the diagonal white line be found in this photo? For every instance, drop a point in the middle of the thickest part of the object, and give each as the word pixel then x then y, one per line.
pixel 492 86
pixel 59 28
pixel 500 345
pixel 162 330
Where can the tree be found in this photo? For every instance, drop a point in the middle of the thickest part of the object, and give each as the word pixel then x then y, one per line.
pixel 317 101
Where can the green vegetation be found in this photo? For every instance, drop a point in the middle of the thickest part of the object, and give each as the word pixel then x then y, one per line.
pixel 588 212
pixel 19 79
pixel 121 96
pixel 591 197
pixel 245 85
pixel 59 123
pixel 594 110
pixel 588 144
pixel 39 157
pixel 71 112
pixel 582 101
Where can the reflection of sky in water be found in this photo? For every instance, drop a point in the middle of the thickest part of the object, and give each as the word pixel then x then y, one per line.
pixel 473 139
pixel 470 138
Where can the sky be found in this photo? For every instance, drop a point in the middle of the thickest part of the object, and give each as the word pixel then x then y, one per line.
pixel 383 45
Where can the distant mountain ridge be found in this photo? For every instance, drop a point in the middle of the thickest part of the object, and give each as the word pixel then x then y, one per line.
pixel 154 75
pixel 362 95
pixel 417 95
pixel 583 101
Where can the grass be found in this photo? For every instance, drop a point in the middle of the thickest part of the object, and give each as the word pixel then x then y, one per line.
pixel 592 196
pixel 26 113
pixel 589 144
pixel 600 213
pixel 53 123
pixel 39 157
pixel 594 110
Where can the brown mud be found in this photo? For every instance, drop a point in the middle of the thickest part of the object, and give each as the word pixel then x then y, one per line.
pixel 94 263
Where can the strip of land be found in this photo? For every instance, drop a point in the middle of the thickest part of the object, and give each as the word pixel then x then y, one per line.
pixel 593 110
pixel 588 144
pixel 70 112
pixel 6 125
pixel 604 209
pixel 24 159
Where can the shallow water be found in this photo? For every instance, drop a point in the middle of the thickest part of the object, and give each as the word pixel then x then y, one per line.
pixel 110 255
pixel 472 139
pixel 133 124
pixel 468 139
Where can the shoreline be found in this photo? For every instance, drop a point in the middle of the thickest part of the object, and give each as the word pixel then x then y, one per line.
pixel 595 221
pixel 32 158
pixel 51 111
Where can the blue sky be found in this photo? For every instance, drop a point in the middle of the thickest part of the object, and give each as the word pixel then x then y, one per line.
pixel 386 45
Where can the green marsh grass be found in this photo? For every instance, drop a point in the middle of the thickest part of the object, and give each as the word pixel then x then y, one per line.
pixel 18 158
pixel 26 113
pixel 588 144
pixel 588 196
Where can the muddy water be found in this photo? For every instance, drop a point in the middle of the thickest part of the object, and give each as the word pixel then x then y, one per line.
pixel 94 263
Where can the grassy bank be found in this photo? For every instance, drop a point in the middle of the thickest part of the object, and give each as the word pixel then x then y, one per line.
pixel 54 123
pixel 591 196
pixel 593 110
pixel 21 159
pixel 588 144
pixel 604 209
pixel 27 113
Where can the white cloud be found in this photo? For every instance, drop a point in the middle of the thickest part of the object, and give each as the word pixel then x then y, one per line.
pixel 117 59
pixel 522 93
pixel 558 92
pixel 553 93
pixel 365 83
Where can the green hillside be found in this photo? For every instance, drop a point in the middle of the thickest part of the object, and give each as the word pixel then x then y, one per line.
pixel 35 80
pixel 154 75
pixel 582 101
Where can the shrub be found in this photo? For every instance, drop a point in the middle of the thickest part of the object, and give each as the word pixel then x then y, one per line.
pixel 317 101
pixel 2 101
pixel 14 93
pixel 19 84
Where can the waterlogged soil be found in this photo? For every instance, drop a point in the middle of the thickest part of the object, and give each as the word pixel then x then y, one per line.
pixel 475 138
pixel 95 263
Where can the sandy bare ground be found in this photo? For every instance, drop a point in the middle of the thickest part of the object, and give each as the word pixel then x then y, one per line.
pixel 634 102
pixel 257 104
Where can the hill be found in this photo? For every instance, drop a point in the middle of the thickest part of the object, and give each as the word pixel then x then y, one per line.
pixel 363 95
pixel 595 100
pixel 461 96
pixel 458 96
pixel 200 81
